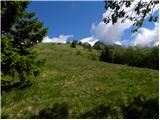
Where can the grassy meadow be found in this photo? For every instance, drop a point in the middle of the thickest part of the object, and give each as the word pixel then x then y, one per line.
pixel 76 80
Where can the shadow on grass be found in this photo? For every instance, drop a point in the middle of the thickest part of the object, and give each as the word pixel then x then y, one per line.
pixel 57 111
pixel 100 112
pixel 4 116
pixel 7 86
pixel 141 108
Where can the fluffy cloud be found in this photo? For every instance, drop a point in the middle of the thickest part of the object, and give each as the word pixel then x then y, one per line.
pixel 60 39
pixel 91 40
pixel 108 33
pixel 112 34
pixel 146 37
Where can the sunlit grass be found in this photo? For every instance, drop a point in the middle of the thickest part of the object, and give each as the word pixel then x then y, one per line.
pixel 71 75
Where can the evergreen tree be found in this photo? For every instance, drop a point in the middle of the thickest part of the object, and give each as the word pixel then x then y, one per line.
pixel 20 32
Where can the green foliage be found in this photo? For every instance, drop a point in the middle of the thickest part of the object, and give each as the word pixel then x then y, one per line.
pixel 11 13
pixel 20 32
pixel 107 54
pixel 152 58
pixel 141 9
pixel 74 43
pixel 132 56
pixel 9 56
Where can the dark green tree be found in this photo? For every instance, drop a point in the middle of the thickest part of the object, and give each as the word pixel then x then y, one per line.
pixel 74 43
pixel 138 12
pixel 20 32
pixel 132 56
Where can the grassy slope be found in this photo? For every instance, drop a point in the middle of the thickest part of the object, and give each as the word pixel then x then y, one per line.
pixel 70 75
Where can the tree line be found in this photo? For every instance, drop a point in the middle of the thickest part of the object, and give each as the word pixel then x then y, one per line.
pixel 132 56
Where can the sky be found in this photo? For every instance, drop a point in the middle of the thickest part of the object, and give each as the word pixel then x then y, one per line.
pixel 68 18
pixel 71 20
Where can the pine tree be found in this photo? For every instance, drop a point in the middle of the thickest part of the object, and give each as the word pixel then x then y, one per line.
pixel 20 32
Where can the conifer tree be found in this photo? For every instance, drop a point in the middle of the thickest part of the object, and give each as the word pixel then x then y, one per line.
pixel 20 32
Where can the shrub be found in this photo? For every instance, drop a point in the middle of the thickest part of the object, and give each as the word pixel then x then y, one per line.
pixel 74 43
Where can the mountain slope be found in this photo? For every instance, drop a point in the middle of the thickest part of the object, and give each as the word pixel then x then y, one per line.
pixel 75 77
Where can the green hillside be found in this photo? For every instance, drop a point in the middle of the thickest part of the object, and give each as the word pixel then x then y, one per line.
pixel 75 84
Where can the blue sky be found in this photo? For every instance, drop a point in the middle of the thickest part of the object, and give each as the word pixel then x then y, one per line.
pixel 71 20
pixel 74 18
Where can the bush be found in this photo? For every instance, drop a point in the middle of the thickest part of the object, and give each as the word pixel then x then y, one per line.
pixel 74 43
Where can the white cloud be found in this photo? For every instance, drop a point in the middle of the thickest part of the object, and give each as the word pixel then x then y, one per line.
pixel 112 34
pixel 108 33
pixel 91 40
pixel 61 39
pixel 146 37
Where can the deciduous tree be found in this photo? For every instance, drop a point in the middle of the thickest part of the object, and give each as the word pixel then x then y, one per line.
pixel 134 10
